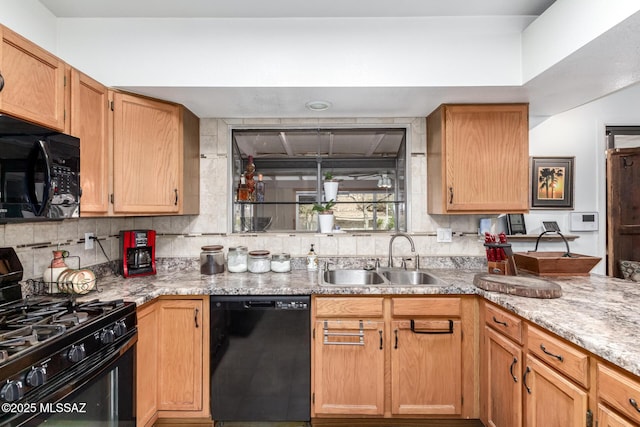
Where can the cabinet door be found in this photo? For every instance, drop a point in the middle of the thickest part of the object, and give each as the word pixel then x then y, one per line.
pixel 426 366
pixel 34 83
pixel 89 122
pixel 504 390
pixel 551 399
pixel 147 155
pixel 478 159
pixel 608 418
pixel 348 367
pixel 147 365
pixel 180 346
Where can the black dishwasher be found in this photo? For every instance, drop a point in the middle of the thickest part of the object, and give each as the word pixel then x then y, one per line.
pixel 260 358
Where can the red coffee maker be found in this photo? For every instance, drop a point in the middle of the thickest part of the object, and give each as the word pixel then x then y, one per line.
pixel 137 252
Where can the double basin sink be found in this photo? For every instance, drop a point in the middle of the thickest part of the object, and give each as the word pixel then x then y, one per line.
pixel 380 277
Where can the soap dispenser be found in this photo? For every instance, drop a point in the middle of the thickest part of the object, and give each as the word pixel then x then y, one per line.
pixel 312 259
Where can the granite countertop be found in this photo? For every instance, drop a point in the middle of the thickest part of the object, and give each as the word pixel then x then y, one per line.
pixel 597 313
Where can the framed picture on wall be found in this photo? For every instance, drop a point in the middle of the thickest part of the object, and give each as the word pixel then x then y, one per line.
pixel 552 182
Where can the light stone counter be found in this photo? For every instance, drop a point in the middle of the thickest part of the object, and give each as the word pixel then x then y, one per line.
pixel 597 313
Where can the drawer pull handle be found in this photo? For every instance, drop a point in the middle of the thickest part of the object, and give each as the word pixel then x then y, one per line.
pixel 446 331
pixel 450 195
pixel 633 403
pixel 380 339
pixel 524 379
pixel 396 333
pixel 499 322
pixel 195 317
pixel 547 352
pixel 515 360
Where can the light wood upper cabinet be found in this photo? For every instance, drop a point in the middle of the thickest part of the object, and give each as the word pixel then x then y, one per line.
pixel 155 157
pixel 90 123
pixel 34 82
pixel 477 159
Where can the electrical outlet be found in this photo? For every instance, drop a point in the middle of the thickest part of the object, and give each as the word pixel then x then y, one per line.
pixel 88 241
pixel 444 235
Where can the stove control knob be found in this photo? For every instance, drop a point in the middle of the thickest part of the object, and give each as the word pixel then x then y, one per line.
pixel 76 353
pixel 107 336
pixel 120 328
pixel 11 391
pixel 36 376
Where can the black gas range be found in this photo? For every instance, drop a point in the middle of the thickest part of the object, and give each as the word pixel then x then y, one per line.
pixel 67 361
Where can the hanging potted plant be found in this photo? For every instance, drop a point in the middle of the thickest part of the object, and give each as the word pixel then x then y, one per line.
pixel 330 186
pixel 325 215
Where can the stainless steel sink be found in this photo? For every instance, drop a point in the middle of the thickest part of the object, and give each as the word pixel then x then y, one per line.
pixel 410 277
pixel 352 277
pixel 382 277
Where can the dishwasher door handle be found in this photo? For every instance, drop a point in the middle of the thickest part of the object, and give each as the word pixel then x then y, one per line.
pixel 259 304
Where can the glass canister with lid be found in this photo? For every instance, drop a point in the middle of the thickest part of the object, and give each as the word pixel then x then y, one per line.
pixel 237 259
pixel 211 260
pixel 281 263
pixel 259 261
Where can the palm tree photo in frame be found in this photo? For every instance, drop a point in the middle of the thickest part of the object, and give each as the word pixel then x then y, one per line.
pixel 552 182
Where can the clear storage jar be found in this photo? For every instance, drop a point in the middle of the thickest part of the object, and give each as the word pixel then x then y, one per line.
pixel 281 263
pixel 237 259
pixel 211 260
pixel 259 262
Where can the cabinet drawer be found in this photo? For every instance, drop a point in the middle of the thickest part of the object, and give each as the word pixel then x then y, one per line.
pixel 349 307
pixel 426 306
pixel 507 324
pixel 563 357
pixel 620 391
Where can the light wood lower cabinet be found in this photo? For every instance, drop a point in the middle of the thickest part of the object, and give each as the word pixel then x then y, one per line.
pixel 503 393
pixel 349 367
pixel 390 357
pixel 618 398
pixel 173 338
pixel 552 400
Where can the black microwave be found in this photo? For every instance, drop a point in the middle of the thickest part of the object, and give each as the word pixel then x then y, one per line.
pixel 39 172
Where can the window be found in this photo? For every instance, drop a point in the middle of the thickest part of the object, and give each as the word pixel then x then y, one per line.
pixel 370 165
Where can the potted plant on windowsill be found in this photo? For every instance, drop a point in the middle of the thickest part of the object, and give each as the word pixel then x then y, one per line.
pixel 330 186
pixel 325 215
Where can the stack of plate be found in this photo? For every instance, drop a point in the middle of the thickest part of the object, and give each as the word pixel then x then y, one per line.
pixel 73 281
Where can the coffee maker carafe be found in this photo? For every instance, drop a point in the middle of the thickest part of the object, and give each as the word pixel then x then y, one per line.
pixel 137 252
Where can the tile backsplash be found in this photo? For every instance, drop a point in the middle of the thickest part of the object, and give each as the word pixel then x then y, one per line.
pixel 183 236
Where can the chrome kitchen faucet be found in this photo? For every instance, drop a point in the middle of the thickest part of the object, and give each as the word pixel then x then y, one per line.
pixel 413 247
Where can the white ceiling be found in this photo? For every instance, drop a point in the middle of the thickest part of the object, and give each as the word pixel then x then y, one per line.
pixel 291 8
pixel 583 76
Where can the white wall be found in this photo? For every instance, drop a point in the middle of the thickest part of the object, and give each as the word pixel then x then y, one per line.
pixel 32 20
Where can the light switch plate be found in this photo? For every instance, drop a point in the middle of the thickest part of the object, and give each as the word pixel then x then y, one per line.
pixel 444 235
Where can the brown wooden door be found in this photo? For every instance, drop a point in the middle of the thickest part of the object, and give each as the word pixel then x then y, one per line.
pixel 551 399
pixel 147 156
pixel 349 367
pixel 426 366
pixel 89 122
pixel 147 364
pixel 34 86
pixel 608 418
pixel 180 355
pixel 623 200
pixel 504 378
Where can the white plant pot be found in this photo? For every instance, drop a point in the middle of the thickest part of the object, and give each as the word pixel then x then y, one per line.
pixel 326 222
pixel 330 190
